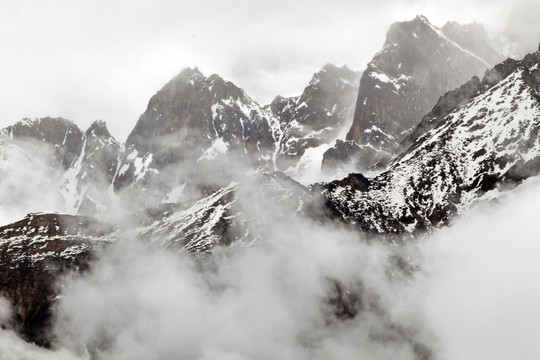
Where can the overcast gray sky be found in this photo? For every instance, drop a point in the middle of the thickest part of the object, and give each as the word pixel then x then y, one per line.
pixel 87 60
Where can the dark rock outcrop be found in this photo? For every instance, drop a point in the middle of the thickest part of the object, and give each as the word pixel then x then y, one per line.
pixel 197 126
pixel 34 253
pixel 190 128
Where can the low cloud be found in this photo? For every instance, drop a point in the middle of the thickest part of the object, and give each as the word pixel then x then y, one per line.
pixel 30 163
pixel 473 295
pixel 481 289
pixel 266 300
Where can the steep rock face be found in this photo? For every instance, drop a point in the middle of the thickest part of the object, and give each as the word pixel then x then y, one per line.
pixel 474 38
pixel 62 135
pixel 85 184
pixel 197 122
pixel 34 253
pixel 62 161
pixel 33 156
pixel 196 127
pixel 316 117
pixel 489 141
pixel 419 62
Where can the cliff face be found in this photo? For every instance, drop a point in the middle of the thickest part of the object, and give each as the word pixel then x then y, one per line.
pixel 418 63
pixel 182 143
pixel 316 117
pixel 73 167
pixel 196 127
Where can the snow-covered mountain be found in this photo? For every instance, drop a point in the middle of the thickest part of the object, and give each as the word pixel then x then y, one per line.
pixel 198 171
pixel 197 126
pixel 419 62
pixel 193 128
pixel 63 136
pixel 479 139
pixel 60 164
pixel 311 122
pixel 86 182
pixel 189 130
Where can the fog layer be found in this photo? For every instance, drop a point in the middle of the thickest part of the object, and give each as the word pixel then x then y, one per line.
pixel 473 295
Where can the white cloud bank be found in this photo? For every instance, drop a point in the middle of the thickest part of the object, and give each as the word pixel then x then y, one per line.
pixel 474 297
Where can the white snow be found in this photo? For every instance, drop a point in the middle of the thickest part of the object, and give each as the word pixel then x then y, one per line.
pixel 498 121
pixel 382 77
pixel 69 184
pixel 174 195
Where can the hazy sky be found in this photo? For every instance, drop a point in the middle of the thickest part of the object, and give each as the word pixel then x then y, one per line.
pixel 87 60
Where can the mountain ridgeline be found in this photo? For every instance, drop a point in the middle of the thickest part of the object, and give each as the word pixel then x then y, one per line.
pixel 197 126
pixel 442 121
pixel 419 62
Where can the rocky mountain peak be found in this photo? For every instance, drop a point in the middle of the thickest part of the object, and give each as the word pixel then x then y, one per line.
pixel 316 117
pixel 61 134
pixel 52 130
pixel 331 67
pixel 191 121
pixel 99 129
pixel 473 37
pixel 189 73
pixel 330 75
pixel 184 105
pixel 417 64
pixel 224 89
pixel 84 184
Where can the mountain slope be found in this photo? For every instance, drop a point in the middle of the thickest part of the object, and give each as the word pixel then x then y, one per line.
pixel 33 156
pixel 62 135
pixel 34 253
pixel 491 140
pixel 38 250
pixel 69 169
